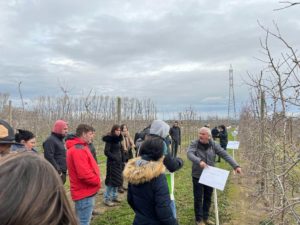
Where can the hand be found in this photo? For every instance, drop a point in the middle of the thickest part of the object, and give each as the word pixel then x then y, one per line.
pixel 203 164
pixel 238 170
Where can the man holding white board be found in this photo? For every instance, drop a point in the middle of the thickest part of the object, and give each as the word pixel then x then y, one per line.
pixel 202 153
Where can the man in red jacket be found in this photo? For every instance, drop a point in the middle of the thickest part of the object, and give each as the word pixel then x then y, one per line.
pixel 83 172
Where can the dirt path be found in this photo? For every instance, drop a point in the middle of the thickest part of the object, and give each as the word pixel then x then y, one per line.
pixel 244 206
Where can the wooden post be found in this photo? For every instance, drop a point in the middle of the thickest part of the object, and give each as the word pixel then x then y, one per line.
pixel 216 206
pixel 119 120
pixel 10 112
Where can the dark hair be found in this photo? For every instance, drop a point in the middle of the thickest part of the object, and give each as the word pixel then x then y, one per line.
pixel 123 125
pixel 24 135
pixel 83 128
pixel 114 128
pixel 223 127
pixel 153 148
pixel 32 192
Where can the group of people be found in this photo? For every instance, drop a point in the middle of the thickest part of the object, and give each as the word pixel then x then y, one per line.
pixel 150 193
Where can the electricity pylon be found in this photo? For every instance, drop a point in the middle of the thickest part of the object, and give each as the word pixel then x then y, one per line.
pixel 231 99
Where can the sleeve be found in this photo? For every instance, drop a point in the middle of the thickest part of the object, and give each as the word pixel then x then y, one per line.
pixel 191 153
pixel 172 163
pixel 49 150
pixel 171 131
pixel 108 153
pixel 129 197
pixel 84 170
pixel 223 154
pixel 163 202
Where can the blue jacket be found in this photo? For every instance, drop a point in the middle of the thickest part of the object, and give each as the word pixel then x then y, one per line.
pixel 148 194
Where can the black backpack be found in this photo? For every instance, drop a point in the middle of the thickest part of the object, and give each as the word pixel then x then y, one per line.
pixel 142 134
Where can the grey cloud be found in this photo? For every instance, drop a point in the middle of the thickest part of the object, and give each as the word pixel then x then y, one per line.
pixel 123 48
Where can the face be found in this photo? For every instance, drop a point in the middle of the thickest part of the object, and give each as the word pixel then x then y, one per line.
pixel 124 131
pixel 94 134
pixel 176 124
pixel 30 144
pixel 88 137
pixel 203 136
pixel 118 132
pixel 65 131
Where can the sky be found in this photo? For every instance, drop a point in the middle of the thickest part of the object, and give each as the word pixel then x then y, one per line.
pixel 176 52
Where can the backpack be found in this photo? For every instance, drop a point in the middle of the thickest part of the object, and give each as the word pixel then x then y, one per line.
pixel 142 134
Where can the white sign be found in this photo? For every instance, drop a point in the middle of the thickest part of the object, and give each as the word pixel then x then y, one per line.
pixel 233 144
pixel 214 177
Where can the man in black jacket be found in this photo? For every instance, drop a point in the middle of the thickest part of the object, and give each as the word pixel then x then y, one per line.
pixel 175 134
pixel 54 148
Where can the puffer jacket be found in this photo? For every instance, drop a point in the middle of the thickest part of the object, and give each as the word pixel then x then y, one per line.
pixel 148 194
pixel 197 153
pixel 114 162
pixel 83 170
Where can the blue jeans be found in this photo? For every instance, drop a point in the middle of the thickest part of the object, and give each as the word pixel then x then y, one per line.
pixel 84 209
pixel 111 193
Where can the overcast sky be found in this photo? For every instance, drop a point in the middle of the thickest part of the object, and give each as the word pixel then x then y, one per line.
pixel 176 52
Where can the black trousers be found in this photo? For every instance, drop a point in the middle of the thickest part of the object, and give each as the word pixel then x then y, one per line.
pixel 174 148
pixel 202 199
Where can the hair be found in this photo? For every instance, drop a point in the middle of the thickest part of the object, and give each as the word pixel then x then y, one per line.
pixel 123 125
pixel 83 128
pixel 206 129
pixel 32 192
pixel 24 135
pixel 114 128
pixel 223 127
pixel 153 147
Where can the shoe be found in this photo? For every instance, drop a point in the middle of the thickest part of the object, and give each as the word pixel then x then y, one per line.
pixel 117 200
pixel 96 212
pixel 108 203
pixel 120 190
pixel 208 222
pixel 200 222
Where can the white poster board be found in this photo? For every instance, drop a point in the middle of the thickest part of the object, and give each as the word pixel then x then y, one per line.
pixel 233 145
pixel 214 177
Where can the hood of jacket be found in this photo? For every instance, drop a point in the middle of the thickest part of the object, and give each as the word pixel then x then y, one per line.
pixel 112 138
pixel 160 128
pixel 139 171
pixel 74 141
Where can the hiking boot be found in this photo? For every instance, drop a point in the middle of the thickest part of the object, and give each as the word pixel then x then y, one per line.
pixel 117 200
pixel 108 203
pixel 208 222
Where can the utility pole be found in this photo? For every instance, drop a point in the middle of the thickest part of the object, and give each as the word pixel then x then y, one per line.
pixel 231 99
